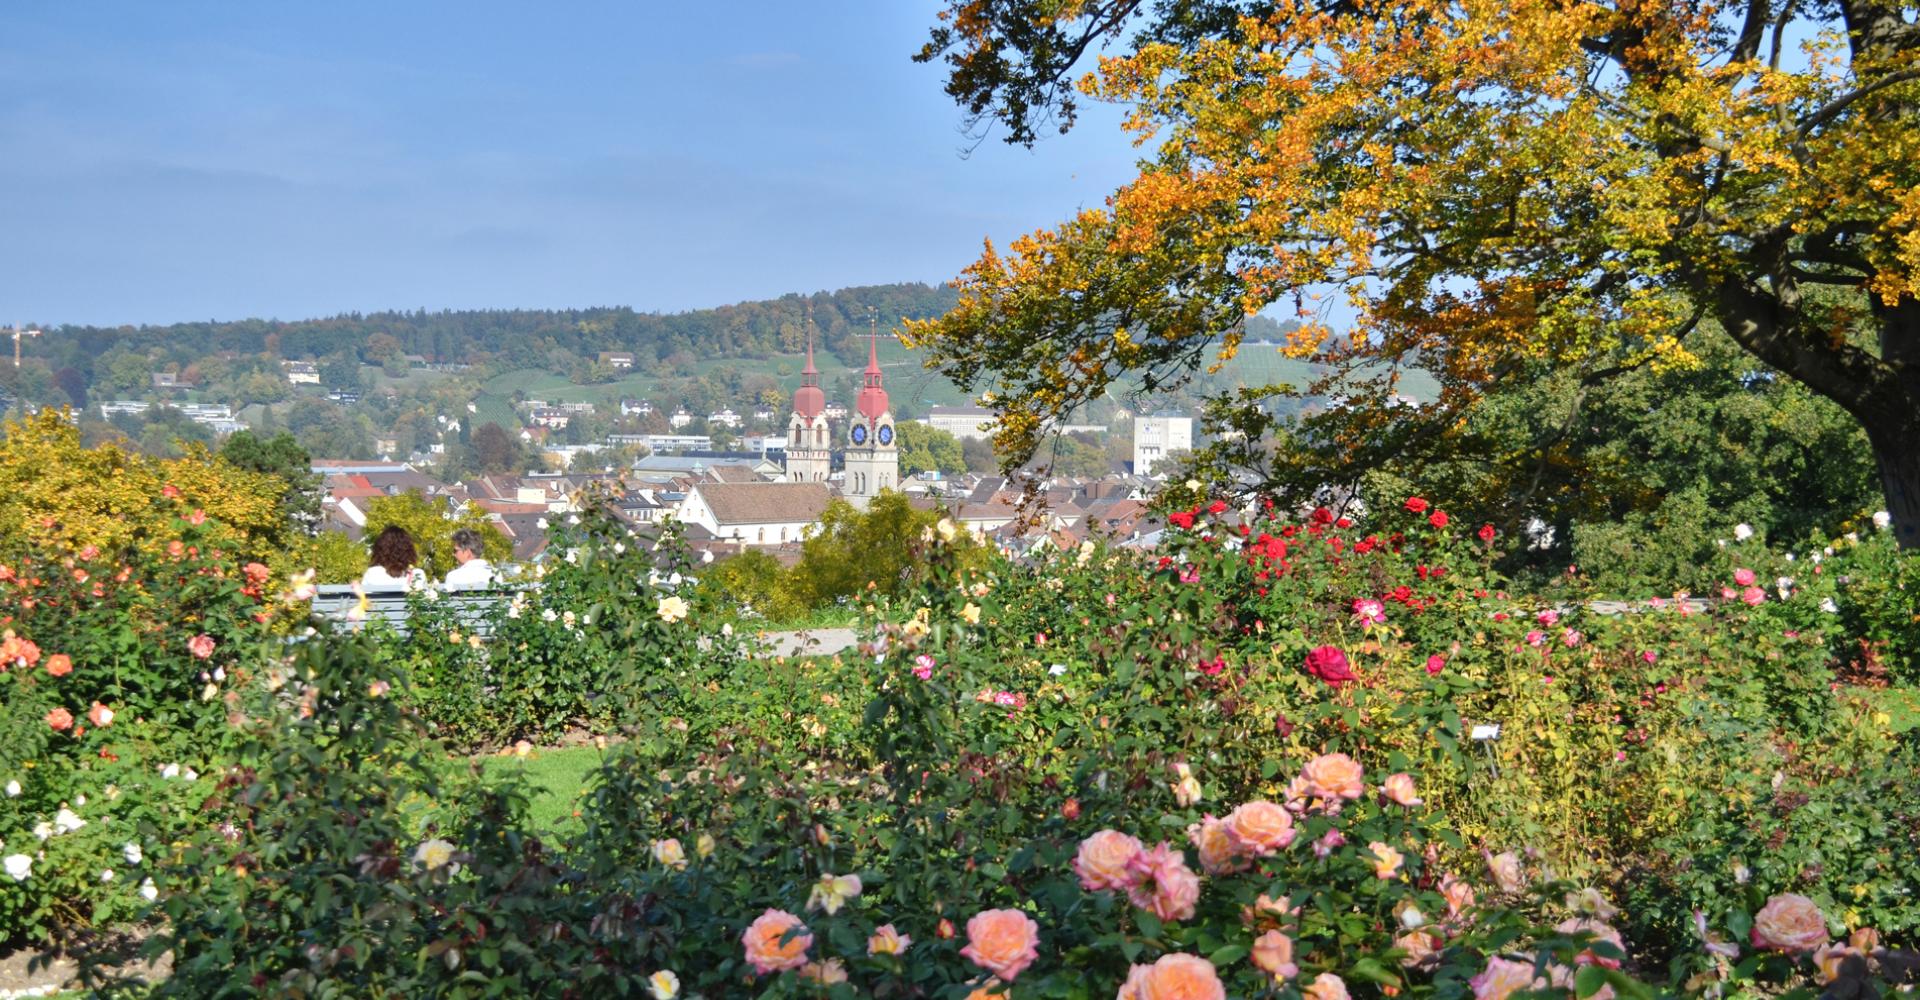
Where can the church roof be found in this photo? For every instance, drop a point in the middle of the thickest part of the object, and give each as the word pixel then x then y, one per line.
pixel 873 398
pixel 808 400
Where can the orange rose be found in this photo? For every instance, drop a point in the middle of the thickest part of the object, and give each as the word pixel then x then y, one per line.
pixel 1386 860
pixel 1259 828
pixel 1400 791
pixel 59 665
pixel 1174 977
pixel 769 947
pixel 1103 858
pixel 1003 942
pixel 1335 776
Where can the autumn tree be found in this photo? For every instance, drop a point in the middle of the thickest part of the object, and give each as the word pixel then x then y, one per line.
pixel 1488 188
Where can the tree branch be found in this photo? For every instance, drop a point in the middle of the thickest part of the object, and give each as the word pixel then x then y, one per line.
pixel 1839 104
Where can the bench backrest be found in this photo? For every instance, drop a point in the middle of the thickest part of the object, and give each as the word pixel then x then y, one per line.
pixel 473 608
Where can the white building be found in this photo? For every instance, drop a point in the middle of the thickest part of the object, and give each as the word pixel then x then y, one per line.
pixel 724 418
pixel 963 422
pixel 302 372
pixel 756 513
pixel 680 418
pixel 1156 438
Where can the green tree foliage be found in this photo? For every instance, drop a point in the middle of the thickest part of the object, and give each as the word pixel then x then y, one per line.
pixel 432 528
pixel 852 554
pixel 495 450
pixel 338 558
pixel 924 449
pixel 281 456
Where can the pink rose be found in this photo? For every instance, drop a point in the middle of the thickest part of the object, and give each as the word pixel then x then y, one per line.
pixel 1421 948
pixel 1329 664
pixel 60 719
pixel 100 715
pixel 1399 790
pixel 1259 828
pixel 1386 860
pixel 1163 884
pixel 1789 922
pixel 768 946
pixel 1743 576
pixel 1832 961
pixel 1458 894
pixel 1753 596
pixel 1334 776
pixel 1436 663
pixel 1501 979
pixel 1273 955
pixel 887 941
pixel 201 646
pixel 1003 942
pixel 1102 861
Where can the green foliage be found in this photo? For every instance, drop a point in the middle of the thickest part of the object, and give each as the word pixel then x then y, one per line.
pixel 929 449
pixel 282 456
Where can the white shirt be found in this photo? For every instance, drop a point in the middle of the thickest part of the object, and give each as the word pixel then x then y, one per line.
pixel 475 573
pixel 377 578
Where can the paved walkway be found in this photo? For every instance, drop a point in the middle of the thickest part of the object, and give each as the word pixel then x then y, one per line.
pixel 810 642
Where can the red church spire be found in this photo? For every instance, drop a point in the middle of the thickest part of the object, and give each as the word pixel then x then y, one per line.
pixel 873 397
pixel 808 400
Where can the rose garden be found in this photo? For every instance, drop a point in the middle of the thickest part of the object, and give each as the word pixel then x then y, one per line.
pixel 1289 753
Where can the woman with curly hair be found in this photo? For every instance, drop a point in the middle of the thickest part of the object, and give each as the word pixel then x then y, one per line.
pixel 393 564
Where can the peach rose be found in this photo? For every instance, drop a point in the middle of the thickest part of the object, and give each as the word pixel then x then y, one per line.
pixel 768 946
pixel 60 719
pixel 1217 856
pixel 1422 949
pixel 59 665
pixel 1335 776
pixel 1326 986
pixel 1102 861
pixel 825 973
pixel 1505 869
pixel 1789 922
pixel 1458 894
pixel 887 941
pixel 201 646
pixel 1259 828
pixel 1399 790
pixel 1163 885
pixel 1832 961
pixel 1273 955
pixel 1174 977
pixel 100 715
pixel 1268 912
pixel 1501 979
pixel 1600 932
pixel 1003 942
pixel 1386 860
pixel 1865 939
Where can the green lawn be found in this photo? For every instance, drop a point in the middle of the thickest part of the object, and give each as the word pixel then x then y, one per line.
pixel 1903 703
pixel 556 780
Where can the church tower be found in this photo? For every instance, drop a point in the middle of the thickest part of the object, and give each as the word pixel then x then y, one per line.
pixel 809 441
pixel 873 457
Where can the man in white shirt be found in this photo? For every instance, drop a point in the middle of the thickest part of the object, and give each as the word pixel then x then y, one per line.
pixel 473 573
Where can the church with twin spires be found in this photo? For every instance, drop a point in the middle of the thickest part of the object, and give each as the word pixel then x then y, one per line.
pixel 872 455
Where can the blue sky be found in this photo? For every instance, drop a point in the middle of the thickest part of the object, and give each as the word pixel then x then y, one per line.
pixel 183 160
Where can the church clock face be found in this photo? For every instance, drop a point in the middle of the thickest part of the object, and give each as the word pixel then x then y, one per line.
pixel 859 434
pixel 886 434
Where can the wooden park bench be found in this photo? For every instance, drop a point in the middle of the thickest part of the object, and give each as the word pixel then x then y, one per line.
pixel 472 608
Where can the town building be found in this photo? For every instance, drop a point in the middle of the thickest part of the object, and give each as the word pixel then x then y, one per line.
pixel 1158 437
pixel 617 360
pixel 302 372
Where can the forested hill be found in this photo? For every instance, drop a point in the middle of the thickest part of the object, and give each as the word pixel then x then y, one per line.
pixel 521 338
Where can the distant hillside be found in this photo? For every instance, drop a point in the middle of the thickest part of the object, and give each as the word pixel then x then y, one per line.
pixel 521 338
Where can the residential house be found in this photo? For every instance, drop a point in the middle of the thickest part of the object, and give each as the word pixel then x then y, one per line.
pixel 756 513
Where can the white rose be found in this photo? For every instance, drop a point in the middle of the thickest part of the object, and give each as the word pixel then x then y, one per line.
pixel 1881 519
pixel 13 789
pixel 133 853
pixel 19 866
pixel 1743 532
pixel 149 891
pixel 1827 605
pixel 106 875
pixel 66 821
pixel 663 985
pixel 43 829
pixel 170 772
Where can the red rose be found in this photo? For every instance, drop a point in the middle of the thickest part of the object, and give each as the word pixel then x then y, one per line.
pixel 1217 507
pixel 1415 505
pixel 1330 665
pixel 1439 519
pixel 1321 515
pixel 1486 533
pixel 1181 519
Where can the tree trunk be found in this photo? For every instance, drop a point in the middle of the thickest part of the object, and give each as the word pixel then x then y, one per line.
pixel 1898 455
